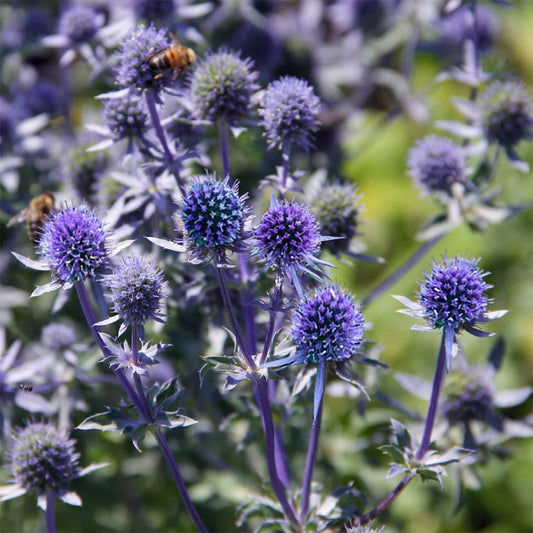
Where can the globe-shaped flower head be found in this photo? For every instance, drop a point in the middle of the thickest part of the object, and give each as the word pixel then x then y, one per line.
pixel 73 243
pixel 288 239
pixel 436 164
pixel 453 294
pixel 126 117
pixel 213 217
pixel 290 113
pixel 136 287
pixel 327 327
pixel 80 24
pixel 337 211
pixel 154 10
pixel 132 64
pixel 222 86
pixel 507 113
pixel 42 458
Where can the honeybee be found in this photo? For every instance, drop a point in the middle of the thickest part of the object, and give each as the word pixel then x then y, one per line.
pixel 176 57
pixel 34 215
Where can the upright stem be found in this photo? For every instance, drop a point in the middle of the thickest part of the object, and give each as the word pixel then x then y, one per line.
pixel 402 270
pixel 147 413
pixel 312 450
pixel 440 372
pixel 50 511
pixel 180 483
pixel 268 425
pixel 160 132
pixel 285 156
pixel 223 140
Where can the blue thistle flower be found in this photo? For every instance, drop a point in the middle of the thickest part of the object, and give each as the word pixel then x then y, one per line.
pixel 126 117
pixel 213 217
pixel 222 86
pixel 42 458
pixel 58 336
pixel 137 287
pixel 452 297
pixel 327 327
pixel 337 211
pixel 73 243
pixel 507 113
pixel 436 164
pixel 290 113
pixel 133 69
pixel 288 240
pixel 80 24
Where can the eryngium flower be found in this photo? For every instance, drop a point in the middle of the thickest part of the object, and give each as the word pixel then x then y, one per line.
pixel 126 117
pixel 288 238
pixel 154 10
pixel 213 214
pixel 73 243
pixel 337 211
pixel 80 24
pixel 42 458
pixel 290 113
pixel 136 287
pixel 436 164
pixel 507 113
pixel 466 399
pixel 453 294
pixel 133 69
pixel 327 327
pixel 222 86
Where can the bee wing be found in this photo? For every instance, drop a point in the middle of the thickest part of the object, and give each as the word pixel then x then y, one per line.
pixel 19 217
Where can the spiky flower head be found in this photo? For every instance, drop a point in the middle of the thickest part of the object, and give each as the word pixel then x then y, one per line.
pixel 327 327
pixel 466 399
pixel 288 238
pixel 213 216
pixel 132 64
pixel 507 113
pixel 73 243
pixel 337 211
pixel 436 164
pixel 453 294
pixel 42 458
pixel 136 288
pixel 80 24
pixel 126 117
pixel 85 170
pixel 154 10
pixel 222 86
pixel 58 336
pixel 290 113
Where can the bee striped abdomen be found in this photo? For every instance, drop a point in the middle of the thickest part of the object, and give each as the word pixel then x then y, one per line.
pixel 176 57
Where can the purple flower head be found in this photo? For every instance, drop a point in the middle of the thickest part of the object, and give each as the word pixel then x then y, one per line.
pixel 507 113
pixel 80 24
pixel 290 113
pixel 43 97
pixel 43 458
pixel 126 117
pixel 73 243
pixel 58 336
pixel 337 211
pixel 459 26
pixel 436 164
pixel 453 294
pixel 222 86
pixel 213 216
pixel 137 287
pixel 154 10
pixel 466 399
pixel 133 69
pixel 327 327
pixel 288 238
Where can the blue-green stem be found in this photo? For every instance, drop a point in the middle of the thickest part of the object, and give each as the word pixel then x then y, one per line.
pixel 223 140
pixel 50 511
pixel 426 437
pixel 139 400
pixel 420 252
pixel 285 157
pixel 312 449
pixel 160 132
